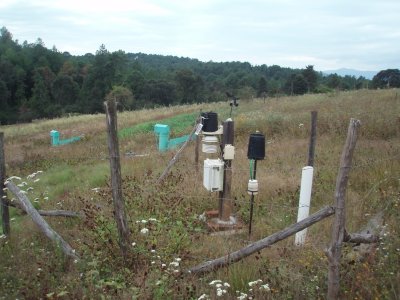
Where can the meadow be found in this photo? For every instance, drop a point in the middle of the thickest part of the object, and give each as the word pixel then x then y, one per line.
pixel 168 233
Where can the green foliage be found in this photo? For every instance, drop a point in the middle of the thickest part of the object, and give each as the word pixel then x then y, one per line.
pixel 79 84
pixel 389 78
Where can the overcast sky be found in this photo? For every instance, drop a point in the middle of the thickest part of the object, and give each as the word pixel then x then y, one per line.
pixel 358 34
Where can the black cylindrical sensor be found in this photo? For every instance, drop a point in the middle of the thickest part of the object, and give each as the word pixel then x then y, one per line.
pixel 210 121
pixel 256 148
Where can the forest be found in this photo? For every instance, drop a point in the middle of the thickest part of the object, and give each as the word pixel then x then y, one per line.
pixel 37 82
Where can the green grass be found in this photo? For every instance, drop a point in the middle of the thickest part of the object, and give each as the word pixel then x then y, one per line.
pixel 177 124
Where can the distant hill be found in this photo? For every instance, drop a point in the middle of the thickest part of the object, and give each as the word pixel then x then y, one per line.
pixel 352 72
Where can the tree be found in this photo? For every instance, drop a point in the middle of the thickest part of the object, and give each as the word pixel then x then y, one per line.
pixel 65 92
pixel 334 81
pixel 310 77
pixel 122 96
pixel 296 85
pixel 98 82
pixel 159 92
pixel 40 103
pixel 189 86
pixel 389 78
pixel 262 86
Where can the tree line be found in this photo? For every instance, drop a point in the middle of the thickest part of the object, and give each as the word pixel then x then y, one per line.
pixel 37 82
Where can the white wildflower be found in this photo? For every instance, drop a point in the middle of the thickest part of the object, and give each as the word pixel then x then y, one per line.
pixel 36 180
pixel 227 284
pixel 265 287
pixel 215 281
pixel 144 231
pixel 29 188
pixel 242 296
pixel 144 221
pixel 252 283
pixel 153 262
pixel 153 251
pixel 203 297
pixel 133 244
pixel 218 285
pixel 13 177
pixel 177 259
pixel 153 220
pixel 96 189
pixel 174 264
pixel 202 217
pixel 163 265
pixel 219 292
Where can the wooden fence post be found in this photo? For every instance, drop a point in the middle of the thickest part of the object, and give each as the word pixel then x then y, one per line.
pixel 116 180
pixel 5 215
pixel 338 230
pixel 226 205
pixel 313 137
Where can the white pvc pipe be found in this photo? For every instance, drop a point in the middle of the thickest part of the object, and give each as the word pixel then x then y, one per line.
pixel 304 202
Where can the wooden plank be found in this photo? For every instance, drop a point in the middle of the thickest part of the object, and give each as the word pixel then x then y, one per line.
pixel 176 156
pixel 261 244
pixel 39 221
pixel 50 213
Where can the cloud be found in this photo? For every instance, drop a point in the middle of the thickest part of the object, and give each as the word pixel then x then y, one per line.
pixel 108 7
pixel 327 34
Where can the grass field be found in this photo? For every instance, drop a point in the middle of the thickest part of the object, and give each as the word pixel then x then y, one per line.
pixel 167 235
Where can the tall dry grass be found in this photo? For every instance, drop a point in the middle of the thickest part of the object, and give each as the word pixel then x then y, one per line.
pixel 72 171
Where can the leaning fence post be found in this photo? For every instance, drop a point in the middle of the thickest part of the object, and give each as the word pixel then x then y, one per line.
pixel 116 180
pixel 5 216
pixel 338 230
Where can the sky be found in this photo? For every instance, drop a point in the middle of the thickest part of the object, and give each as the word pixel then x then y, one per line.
pixel 328 34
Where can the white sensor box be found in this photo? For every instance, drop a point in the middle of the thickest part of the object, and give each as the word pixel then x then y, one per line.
pixel 213 177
